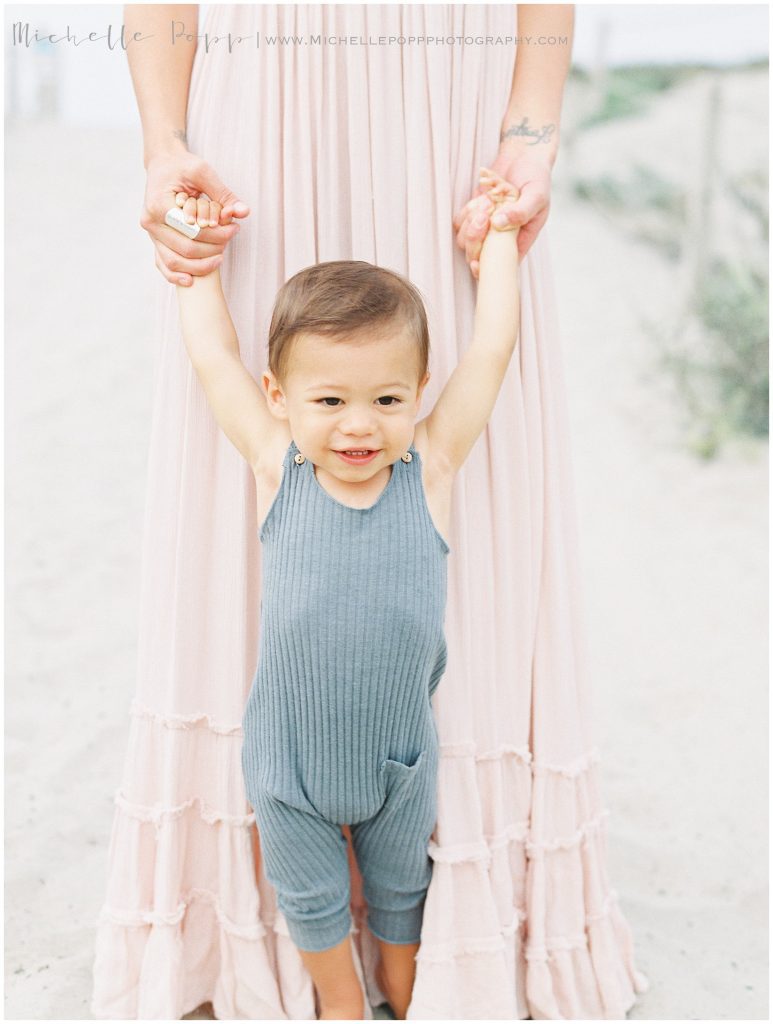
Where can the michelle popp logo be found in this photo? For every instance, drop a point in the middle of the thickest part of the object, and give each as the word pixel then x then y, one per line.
pixel 116 38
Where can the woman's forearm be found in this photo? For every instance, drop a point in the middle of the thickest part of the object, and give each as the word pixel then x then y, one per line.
pixel 161 72
pixel 533 114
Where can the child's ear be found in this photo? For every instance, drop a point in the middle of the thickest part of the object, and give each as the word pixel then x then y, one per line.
pixel 274 395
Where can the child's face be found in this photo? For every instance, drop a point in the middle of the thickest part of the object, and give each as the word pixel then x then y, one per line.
pixel 341 395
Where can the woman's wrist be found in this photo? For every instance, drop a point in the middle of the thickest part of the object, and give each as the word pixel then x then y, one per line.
pixel 543 144
pixel 165 144
pixel 509 152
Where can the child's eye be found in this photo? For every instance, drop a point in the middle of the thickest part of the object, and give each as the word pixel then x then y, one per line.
pixel 390 399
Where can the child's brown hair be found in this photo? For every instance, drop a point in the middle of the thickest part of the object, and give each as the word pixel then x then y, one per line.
pixel 340 298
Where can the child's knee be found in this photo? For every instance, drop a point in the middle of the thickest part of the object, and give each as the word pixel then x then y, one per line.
pixel 306 861
pixel 315 921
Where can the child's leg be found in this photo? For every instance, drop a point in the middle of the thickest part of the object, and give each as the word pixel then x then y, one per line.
pixel 305 859
pixel 396 973
pixel 391 851
pixel 336 982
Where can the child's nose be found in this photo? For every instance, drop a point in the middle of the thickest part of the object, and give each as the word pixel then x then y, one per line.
pixel 357 422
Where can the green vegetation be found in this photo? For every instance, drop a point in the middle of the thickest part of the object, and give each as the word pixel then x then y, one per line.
pixel 645 190
pixel 717 356
pixel 726 390
pixel 629 90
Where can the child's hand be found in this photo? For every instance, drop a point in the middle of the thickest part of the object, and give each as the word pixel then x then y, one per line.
pixel 203 210
pixel 501 193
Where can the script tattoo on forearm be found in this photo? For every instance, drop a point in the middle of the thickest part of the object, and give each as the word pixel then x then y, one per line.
pixel 543 134
pixel 179 133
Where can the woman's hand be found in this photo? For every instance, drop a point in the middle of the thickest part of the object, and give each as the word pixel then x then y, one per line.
pixel 530 173
pixel 178 257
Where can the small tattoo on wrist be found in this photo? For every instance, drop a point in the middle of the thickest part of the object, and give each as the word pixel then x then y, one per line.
pixel 179 133
pixel 543 134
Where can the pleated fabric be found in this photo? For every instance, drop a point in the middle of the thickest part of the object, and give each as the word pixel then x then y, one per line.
pixel 352 644
pixel 350 150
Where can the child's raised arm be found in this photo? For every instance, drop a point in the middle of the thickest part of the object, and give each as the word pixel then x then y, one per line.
pixel 238 404
pixel 465 404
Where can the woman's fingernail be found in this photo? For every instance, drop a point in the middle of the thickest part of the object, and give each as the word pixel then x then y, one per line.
pixel 501 220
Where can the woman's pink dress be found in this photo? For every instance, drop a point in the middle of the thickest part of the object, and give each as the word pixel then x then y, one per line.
pixel 358 149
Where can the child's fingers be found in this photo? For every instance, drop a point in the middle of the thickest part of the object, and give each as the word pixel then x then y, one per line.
pixel 190 208
pixel 488 180
pixel 202 210
pixel 504 195
pixel 497 190
pixel 495 186
pixel 214 213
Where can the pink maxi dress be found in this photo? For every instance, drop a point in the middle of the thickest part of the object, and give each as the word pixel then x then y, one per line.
pixel 364 151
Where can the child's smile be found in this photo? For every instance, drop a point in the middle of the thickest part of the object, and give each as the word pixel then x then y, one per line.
pixel 358 458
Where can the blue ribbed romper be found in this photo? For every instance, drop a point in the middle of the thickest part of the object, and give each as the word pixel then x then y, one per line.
pixel 338 727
